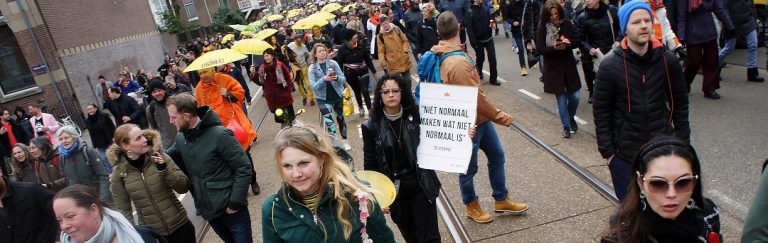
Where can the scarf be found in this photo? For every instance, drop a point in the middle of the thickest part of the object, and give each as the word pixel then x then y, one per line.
pixel 687 227
pixel 553 33
pixel 68 152
pixel 113 225
pixel 394 116
pixel 694 5
pixel 278 72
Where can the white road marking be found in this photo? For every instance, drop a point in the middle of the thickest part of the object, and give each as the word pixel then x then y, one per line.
pixel 501 80
pixel 734 205
pixel 529 94
pixel 579 120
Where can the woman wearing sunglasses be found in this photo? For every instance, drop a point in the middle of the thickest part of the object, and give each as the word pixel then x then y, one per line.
pixel 665 202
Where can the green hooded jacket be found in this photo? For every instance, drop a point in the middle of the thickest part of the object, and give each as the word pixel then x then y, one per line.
pixel 218 168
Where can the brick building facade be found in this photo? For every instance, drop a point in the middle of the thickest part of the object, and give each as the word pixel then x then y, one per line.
pixel 79 40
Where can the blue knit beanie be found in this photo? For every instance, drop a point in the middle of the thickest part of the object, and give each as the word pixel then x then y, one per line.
pixel 626 10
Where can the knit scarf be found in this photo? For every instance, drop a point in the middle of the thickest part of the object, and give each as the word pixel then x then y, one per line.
pixel 553 33
pixel 278 72
pixel 68 152
pixel 113 225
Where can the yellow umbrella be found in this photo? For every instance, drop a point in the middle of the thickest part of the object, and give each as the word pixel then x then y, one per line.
pixel 274 17
pixel 331 7
pixel 381 186
pixel 263 34
pixel 251 46
pixel 308 23
pixel 214 58
pixel 246 33
pixel 322 15
pixel 346 9
pixel 292 14
pixel 227 38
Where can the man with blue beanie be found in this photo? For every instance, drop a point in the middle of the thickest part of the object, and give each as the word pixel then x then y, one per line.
pixel 639 92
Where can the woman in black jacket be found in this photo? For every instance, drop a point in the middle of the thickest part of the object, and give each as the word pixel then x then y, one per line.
pixel 555 40
pixel 355 61
pixel 22 120
pixel 390 139
pixel 665 202
pixel 101 129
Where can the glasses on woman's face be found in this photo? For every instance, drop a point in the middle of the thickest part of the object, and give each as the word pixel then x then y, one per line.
pixel 682 185
pixel 387 91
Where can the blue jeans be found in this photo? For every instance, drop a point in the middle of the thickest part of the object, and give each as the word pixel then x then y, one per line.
pixel 487 140
pixel 517 41
pixel 751 40
pixel 566 105
pixel 621 175
pixel 234 227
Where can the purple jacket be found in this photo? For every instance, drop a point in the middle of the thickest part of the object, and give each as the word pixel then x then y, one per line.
pixel 698 26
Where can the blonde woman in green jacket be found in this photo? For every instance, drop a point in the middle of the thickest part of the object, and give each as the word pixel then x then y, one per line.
pixel 147 177
pixel 320 200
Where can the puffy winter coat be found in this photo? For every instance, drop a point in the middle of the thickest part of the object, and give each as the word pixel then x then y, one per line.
pixel 88 171
pixel 594 27
pixel 377 140
pixel 742 14
pixel 218 169
pixel 151 191
pixel 632 105
pixel 284 219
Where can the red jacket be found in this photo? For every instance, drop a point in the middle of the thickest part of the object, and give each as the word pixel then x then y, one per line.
pixel 276 95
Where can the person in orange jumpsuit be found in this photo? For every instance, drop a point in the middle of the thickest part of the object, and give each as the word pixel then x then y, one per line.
pixel 224 95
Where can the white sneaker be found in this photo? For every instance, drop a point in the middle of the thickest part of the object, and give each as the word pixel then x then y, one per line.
pixel 346 145
pixel 515 49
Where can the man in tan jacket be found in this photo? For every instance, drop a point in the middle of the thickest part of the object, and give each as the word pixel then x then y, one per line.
pixel 394 49
pixel 458 70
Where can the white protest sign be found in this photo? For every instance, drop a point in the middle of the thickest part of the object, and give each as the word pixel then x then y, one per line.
pixel 447 112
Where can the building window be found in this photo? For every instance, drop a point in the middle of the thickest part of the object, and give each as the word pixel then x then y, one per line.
pixel 14 72
pixel 191 11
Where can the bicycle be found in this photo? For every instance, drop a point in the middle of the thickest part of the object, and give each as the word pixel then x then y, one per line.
pixel 67 121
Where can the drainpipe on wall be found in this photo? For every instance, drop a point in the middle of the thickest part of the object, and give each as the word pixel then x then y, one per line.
pixel 42 56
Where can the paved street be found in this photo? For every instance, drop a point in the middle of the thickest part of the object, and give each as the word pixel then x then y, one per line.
pixel 563 207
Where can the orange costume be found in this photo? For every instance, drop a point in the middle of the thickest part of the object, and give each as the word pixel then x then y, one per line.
pixel 209 94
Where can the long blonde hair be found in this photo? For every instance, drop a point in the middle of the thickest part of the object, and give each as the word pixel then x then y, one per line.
pixel 335 174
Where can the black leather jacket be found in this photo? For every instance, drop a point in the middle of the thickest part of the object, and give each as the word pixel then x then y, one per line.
pixel 377 138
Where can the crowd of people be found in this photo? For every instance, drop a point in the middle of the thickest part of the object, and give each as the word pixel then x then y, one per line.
pixel 153 137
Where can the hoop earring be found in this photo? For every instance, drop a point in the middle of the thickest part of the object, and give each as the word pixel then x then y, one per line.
pixel 642 199
pixel 691 204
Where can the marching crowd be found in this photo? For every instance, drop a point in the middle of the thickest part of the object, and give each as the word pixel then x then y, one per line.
pixel 154 137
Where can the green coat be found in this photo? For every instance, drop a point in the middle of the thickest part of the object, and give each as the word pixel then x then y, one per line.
pixel 150 190
pixel 218 168
pixel 286 220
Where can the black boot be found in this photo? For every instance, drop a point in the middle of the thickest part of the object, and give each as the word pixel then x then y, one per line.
pixel 754 76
